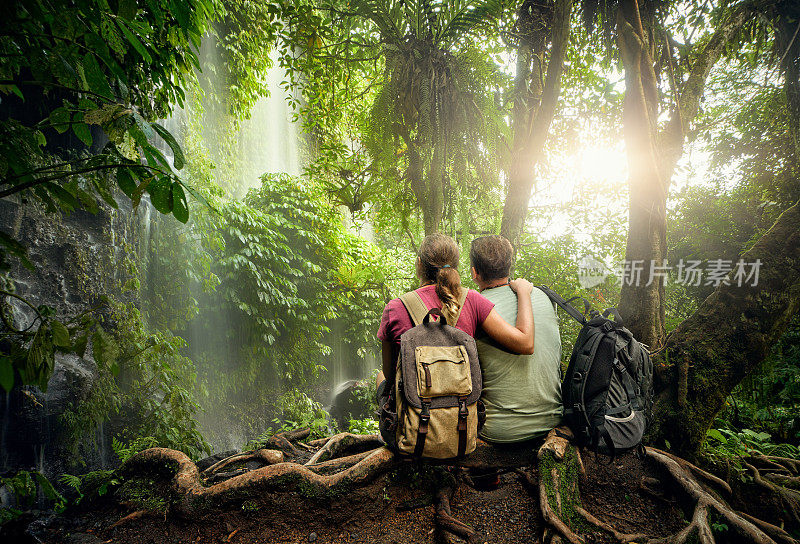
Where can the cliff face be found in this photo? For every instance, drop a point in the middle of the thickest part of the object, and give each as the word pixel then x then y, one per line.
pixel 78 258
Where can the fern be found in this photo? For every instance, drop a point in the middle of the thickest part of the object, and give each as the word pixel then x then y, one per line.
pixel 126 451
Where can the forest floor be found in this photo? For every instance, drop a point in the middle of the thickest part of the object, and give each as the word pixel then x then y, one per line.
pixel 395 508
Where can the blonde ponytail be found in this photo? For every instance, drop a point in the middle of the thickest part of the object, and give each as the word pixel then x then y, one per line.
pixel 438 263
pixel 448 286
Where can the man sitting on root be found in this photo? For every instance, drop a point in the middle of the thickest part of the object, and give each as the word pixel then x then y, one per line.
pixel 522 393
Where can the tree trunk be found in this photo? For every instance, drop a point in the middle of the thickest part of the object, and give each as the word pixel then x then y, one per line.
pixel 536 97
pixel 652 157
pixel 433 204
pixel 788 44
pixel 726 339
pixel 642 293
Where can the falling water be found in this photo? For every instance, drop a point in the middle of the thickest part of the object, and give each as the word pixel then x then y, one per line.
pixel 270 141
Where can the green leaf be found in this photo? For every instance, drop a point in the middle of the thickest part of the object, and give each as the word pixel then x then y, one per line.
pixel 179 207
pixel 161 194
pixel 125 181
pixel 95 78
pixel 104 349
pixel 60 334
pixel 83 132
pixel 60 120
pixel 14 89
pixel 65 199
pixel 8 244
pixel 6 373
pixel 197 196
pixel 716 435
pixel 87 201
pixel 179 159
pixel 103 191
pixel 135 42
pixel 79 347
pixel 47 488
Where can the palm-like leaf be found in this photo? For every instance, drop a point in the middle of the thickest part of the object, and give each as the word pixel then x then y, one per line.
pixel 441 22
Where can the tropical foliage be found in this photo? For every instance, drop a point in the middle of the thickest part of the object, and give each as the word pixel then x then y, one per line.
pixel 246 309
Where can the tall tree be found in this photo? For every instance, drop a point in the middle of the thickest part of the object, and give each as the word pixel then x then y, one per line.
pixel 429 101
pixel 542 32
pixel 786 22
pixel 653 152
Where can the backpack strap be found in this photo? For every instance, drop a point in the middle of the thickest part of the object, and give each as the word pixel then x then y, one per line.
pixel 418 310
pixel 628 384
pixel 565 305
pixel 415 306
pixel 463 413
pixel 422 429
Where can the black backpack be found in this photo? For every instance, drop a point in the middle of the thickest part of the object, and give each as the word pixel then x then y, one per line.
pixel 608 387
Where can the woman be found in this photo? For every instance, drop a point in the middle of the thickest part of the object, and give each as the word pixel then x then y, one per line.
pixel 440 285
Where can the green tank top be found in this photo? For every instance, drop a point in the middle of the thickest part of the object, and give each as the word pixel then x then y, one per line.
pixel 522 393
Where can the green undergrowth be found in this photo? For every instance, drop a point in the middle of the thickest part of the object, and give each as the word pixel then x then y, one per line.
pixel 29 489
pixel 145 493
pixel 725 447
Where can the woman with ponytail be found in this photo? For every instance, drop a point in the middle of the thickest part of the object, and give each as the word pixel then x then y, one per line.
pixel 437 270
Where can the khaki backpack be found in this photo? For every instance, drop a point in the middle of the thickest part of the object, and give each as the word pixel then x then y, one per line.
pixel 434 410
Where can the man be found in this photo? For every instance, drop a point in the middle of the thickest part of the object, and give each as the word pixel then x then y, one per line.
pixel 522 393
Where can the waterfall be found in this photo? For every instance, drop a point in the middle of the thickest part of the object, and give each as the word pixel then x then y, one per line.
pixel 269 141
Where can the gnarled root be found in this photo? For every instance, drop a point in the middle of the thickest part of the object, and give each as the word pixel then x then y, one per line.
pixel 268 457
pixel 343 442
pixel 194 497
pixel 779 484
pixel 447 524
pixel 284 441
pixel 340 463
pixel 553 488
pixel 704 502
pixel 561 508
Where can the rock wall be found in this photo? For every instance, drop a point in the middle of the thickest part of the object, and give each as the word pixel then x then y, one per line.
pixel 78 258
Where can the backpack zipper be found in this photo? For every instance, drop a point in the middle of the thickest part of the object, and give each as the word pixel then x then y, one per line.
pixel 428 382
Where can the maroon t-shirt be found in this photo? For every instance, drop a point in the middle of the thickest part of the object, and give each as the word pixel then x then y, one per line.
pixel 395 319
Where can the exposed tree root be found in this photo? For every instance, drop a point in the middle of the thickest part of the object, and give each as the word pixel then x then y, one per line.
pixel 284 441
pixel 707 476
pixel 342 442
pixel 334 470
pixel 268 457
pixel 133 516
pixel 562 511
pixel 193 497
pixel 785 463
pixel 777 533
pixel 445 520
pixel 789 497
pixel 340 463
pixel 622 537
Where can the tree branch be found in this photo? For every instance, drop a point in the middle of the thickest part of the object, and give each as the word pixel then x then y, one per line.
pixel 688 103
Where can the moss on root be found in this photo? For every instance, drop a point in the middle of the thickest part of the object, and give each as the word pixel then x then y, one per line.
pixel 146 494
pixel 568 488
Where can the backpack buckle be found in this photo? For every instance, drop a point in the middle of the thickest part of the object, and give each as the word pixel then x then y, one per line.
pixel 462 408
pixel 618 365
pixel 424 417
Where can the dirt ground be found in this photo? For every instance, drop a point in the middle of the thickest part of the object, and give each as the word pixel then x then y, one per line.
pixel 393 509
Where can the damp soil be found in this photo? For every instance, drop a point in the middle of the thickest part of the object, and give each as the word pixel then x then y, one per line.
pixel 390 510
